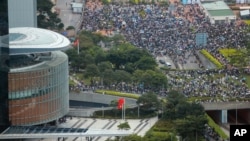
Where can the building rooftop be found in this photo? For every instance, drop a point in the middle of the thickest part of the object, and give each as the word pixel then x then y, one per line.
pixel 27 40
pixel 76 5
pixel 223 12
pixel 215 5
pixel 217 8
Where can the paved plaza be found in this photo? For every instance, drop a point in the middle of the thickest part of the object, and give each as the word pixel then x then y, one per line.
pixel 138 126
pixel 66 15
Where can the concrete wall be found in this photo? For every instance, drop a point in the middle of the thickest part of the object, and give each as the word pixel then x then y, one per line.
pixel 99 98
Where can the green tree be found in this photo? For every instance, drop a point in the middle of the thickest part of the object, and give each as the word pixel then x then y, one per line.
pixel 114 104
pixel 100 56
pixel 189 118
pixel 108 77
pixel 75 59
pixel 91 71
pixel 85 41
pixel 133 137
pixel 122 76
pixel 191 127
pixel 146 63
pixel 47 19
pixel 102 66
pixel 88 59
pixel 149 101
pixel 153 80
pixel 70 28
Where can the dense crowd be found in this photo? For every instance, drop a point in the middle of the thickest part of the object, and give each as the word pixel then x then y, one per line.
pixel 160 30
pixel 219 85
pixel 163 31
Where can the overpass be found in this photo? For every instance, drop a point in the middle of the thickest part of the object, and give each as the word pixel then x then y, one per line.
pixel 225 105
pixel 234 112
pixel 221 112
pixel 106 99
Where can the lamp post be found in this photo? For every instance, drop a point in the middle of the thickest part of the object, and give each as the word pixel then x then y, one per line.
pixel 236 113
pixel 138 110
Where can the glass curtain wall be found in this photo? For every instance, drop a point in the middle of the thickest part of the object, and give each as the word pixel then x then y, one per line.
pixel 39 94
pixel 4 69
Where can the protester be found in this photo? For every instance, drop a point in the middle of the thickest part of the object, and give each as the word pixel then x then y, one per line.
pixel 163 31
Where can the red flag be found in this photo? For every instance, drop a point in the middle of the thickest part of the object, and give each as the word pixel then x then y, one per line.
pixel 120 103
pixel 76 42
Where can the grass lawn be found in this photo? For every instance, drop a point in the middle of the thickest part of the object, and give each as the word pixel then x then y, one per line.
pixel 247 22
pixel 116 93
pixel 234 56
pixel 227 52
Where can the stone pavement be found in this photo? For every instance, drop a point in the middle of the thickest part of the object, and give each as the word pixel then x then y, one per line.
pixel 67 16
pixel 137 126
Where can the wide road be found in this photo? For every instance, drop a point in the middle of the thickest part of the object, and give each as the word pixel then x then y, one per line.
pixel 67 16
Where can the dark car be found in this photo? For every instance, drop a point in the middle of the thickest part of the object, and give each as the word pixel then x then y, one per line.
pixel 162 61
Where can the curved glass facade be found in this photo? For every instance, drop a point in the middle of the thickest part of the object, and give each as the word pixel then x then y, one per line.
pixel 39 93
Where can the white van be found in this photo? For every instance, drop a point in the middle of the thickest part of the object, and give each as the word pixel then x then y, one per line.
pixel 168 64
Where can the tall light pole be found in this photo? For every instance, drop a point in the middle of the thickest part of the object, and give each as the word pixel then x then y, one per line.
pixel 236 114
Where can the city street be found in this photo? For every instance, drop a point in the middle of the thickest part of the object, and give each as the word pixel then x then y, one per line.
pixel 67 16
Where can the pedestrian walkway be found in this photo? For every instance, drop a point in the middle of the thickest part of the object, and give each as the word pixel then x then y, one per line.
pixel 137 126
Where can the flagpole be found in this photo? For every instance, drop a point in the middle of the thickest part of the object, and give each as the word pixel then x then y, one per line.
pixel 122 112
pixel 78 46
pixel 124 116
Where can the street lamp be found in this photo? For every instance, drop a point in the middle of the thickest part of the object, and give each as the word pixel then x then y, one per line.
pixel 236 113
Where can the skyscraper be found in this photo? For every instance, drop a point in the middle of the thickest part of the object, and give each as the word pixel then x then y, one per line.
pixel 22 13
pixel 4 69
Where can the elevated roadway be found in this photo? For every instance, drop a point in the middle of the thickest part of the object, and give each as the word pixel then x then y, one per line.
pixel 106 99
pixel 226 105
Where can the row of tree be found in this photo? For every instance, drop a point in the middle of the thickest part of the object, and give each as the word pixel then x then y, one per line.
pixel 121 63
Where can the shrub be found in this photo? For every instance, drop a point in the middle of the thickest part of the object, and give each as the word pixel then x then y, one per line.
pixel 115 93
pixel 211 58
pixel 70 28
pixel 229 52
pixel 247 22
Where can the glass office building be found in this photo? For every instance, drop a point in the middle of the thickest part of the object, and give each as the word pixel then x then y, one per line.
pixel 33 71
pixel 38 90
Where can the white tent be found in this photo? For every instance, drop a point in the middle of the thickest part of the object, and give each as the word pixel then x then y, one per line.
pixel 244 12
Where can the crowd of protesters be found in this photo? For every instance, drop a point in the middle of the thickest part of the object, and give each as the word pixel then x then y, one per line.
pixel 219 85
pixel 161 30
pixel 172 32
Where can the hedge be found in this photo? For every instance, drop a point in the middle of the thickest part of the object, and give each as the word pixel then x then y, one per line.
pixel 247 22
pixel 115 93
pixel 216 128
pixel 230 52
pixel 211 58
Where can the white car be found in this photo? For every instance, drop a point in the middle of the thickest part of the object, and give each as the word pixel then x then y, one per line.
pixel 168 64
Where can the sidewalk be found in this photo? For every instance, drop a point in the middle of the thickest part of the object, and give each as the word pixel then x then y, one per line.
pixel 137 126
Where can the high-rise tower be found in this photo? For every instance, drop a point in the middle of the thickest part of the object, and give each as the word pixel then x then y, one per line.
pixel 22 13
